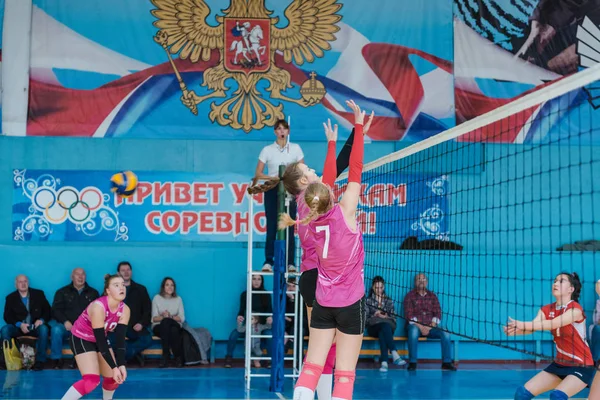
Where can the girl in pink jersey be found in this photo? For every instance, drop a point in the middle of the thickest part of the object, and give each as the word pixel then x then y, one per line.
pixel 338 309
pixel 90 345
pixel 296 178
pixel 573 367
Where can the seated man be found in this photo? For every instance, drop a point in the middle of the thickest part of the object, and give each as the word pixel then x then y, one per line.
pixel 423 312
pixel 26 312
pixel 69 302
pixel 140 307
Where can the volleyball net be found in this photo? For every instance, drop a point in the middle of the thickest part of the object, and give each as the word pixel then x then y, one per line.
pixel 490 212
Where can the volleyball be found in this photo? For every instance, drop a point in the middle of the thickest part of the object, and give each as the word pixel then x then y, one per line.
pixel 124 183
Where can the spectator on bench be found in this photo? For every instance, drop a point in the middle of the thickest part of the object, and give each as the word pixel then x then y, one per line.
pixel 261 303
pixel 381 322
pixel 256 328
pixel 167 318
pixel 140 306
pixel 26 312
pixel 423 312
pixel 595 330
pixel 69 302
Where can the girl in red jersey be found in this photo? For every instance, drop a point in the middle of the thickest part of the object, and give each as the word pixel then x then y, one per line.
pixel 90 345
pixel 296 178
pixel 338 309
pixel 573 367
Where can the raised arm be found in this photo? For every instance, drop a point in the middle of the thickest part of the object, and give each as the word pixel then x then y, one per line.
pixel 343 158
pixel 330 168
pixel 349 201
pixel 333 169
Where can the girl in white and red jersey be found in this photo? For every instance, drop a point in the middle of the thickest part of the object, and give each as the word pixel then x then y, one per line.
pixel 338 309
pixel 90 345
pixel 296 178
pixel 573 367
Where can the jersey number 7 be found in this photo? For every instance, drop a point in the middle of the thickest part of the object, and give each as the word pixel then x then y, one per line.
pixel 326 230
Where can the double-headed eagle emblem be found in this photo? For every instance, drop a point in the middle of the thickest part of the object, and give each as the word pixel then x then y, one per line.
pixel 247 38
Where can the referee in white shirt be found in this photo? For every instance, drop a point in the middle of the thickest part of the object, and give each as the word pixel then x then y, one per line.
pixel 279 153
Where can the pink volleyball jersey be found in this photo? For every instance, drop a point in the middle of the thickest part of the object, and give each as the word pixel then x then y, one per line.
pixel 82 328
pixel 341 258
pixel 309 260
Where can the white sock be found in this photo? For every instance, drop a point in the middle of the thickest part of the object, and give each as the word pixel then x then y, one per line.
pixel 395 355
pixel 303 393
pixel 107 394
pixel 72 394
pixel 324 387
pixel 384 364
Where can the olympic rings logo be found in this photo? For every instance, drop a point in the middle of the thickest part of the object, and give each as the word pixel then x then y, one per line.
pixel 67 203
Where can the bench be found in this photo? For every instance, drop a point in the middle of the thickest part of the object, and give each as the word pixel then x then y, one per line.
pixel 364 352
pixel 374 352
pixel 66 351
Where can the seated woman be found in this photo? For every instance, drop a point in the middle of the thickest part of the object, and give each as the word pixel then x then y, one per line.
pixel 381 322
pixel 261 303
pixel 167 317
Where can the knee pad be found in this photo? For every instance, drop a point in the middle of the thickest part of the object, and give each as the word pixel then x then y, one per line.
pixel 87 384
pixel 330 361
pixel 310 376
pixel 523 394
pixel 109 384
pixel 558 395
pixel 344 384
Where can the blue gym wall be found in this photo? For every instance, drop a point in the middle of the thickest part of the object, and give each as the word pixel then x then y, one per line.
pixel 211 276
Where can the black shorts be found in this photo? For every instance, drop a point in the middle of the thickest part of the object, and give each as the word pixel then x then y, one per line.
pixel 585 374
pixel 308 286
pixel 349 320
pixel 80 346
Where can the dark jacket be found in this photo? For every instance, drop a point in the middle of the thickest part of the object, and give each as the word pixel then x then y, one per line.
pixel 261 303
pixel 15 311
pixel 139 304
pixel 68 304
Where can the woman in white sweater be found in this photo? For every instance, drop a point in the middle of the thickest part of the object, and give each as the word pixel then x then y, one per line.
pixel 167 318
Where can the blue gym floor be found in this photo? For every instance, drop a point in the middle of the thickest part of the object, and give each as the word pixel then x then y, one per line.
pixel 469 382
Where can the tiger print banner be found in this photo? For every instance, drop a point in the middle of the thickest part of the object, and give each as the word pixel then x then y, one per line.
pixel 505 49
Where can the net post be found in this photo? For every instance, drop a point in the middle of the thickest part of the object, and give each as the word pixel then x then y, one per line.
pixel 248 316
pixel 279 297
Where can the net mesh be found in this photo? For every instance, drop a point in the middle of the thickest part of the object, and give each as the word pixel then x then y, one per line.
pixel 491 216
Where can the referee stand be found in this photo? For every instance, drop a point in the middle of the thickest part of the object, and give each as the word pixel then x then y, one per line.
pixel 279 296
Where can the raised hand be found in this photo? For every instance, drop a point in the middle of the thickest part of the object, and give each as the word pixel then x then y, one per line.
pixel 368 124
pixel 359 116
pixel 330 133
